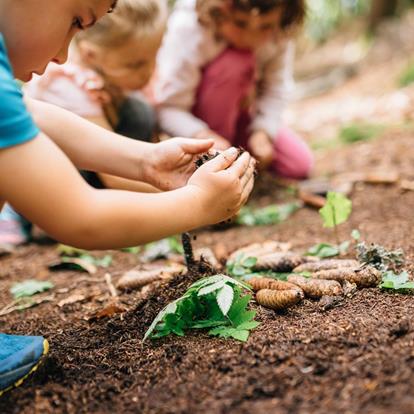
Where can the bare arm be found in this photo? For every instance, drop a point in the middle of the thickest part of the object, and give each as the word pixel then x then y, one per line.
pixel 89 146
pixel 119 183
pixel 42 184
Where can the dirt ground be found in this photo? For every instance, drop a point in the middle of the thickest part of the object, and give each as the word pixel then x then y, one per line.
pixel 357 357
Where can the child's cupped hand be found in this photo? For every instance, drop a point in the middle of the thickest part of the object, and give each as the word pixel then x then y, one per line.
pixel 223 185
pixel 172 162
pixel 261 146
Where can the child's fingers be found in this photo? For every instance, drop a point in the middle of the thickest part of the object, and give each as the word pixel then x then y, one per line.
pixel 248 188
pixel 246 178
pixel 222 161
pixel 240 166
pixel 196 146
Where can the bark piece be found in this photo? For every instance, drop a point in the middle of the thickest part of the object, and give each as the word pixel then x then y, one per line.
pixel 208 256
pixel 137 278
pixel 261 249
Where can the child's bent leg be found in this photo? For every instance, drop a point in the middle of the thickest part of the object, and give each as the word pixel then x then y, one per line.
pixel 293 157
pixel 225 83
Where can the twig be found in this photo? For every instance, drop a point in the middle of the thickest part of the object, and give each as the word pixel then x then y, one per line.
pixel 188 250
pixel 111 287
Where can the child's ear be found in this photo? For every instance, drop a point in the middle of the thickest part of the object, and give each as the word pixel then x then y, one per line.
pixel 88 52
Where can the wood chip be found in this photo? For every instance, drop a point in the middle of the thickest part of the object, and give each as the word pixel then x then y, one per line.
pixel 407 185
pixel 312 200
pixel 142 276
pixel 208 256
pixel 382 177
pixel 261 249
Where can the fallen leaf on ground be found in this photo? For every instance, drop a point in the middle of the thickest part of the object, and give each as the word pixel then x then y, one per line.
pixel 111 309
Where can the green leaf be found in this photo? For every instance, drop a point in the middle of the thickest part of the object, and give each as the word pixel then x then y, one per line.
pixel 323 250
pixel 211 288
pixel 29 288
pixel 225 298
pixel 250 262
pixel 344 247
pixel 248 325
pixel 356 235
pixel 272 214
pixel 205 305
pixel 132 250
pixel 207 324
pixel 336 210
pixel 170 308
pixel 65 250
pixel 238 270
pixel 240 335
pixel 394 281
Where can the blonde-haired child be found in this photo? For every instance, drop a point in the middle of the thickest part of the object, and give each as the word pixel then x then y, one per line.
pixel 107 65
pixel 225 71
pixel 40 145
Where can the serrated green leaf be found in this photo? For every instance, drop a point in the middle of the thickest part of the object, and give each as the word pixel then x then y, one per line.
pixel 248 325
pixel 207 324
pixel 211 288
pixel 336 210
pixel 170 308
pixel 225 298
pixel 240 335
pixel 29 288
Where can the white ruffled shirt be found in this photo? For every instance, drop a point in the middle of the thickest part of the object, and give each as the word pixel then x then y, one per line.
pixel 187 48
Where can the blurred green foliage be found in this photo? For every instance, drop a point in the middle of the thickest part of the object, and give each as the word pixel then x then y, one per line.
pixel 324 16
pixel 359 132
pixel 407 76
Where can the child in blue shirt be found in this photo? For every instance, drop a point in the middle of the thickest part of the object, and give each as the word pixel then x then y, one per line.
pixel 41 146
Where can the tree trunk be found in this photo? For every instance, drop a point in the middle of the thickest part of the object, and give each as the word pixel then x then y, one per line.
pixel 381 9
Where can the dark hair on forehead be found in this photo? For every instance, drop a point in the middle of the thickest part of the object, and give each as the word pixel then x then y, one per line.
pixel 293 11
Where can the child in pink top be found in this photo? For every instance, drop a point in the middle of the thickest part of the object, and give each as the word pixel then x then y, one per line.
pixel 225 71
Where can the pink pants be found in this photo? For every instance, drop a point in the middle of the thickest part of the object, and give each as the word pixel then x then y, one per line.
pixel 225 83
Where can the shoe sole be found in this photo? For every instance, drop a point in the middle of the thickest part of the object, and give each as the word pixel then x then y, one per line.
pixel 32 370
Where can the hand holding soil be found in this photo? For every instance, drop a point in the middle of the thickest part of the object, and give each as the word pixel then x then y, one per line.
pixel 224 184
pixel 172 162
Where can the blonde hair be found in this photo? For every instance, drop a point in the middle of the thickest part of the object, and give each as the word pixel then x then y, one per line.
pixel 210 12
pixel 140 18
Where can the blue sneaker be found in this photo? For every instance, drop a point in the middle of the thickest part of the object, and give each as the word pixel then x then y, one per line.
pixel 19 357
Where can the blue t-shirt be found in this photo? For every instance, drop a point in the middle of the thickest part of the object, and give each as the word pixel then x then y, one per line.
pixel 16 124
